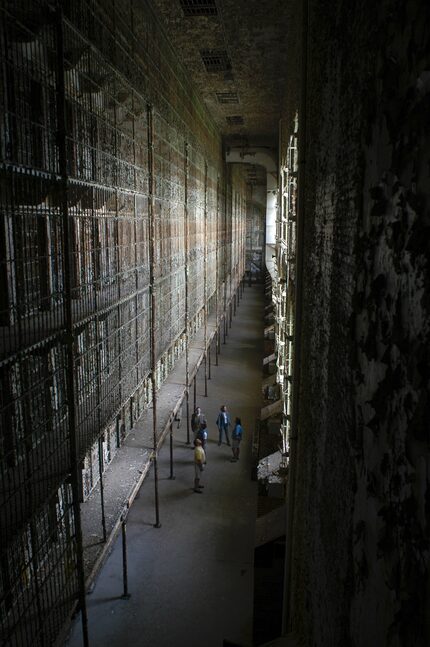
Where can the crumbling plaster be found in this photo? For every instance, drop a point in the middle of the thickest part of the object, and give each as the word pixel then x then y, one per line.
pixel 360 545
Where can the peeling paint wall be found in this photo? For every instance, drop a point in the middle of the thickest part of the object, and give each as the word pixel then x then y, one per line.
pixel 360 552
pixel 255 227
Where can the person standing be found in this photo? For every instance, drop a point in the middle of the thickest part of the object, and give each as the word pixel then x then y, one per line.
pixel 223 422
pixel 236 437
pixel 199 462
pixel 197 420
pixel 202 434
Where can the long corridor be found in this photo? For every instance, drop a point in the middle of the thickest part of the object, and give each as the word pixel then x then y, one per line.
pixel 191 581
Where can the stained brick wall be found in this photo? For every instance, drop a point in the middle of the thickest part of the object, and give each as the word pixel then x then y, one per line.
pixel 361 538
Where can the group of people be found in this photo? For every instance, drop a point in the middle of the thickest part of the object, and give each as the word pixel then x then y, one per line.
pixel 200 432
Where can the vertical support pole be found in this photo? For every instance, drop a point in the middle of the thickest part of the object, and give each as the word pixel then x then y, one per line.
pixel 224 323
pixel 102 494
pixel 118 432
pixel 195 390
pixel 157 523
pixel 41 613
pixel 188 415
pixel 187 364
pixel 150 115
pixel 230 312
pixel 226 243
pixel 126 594
pixel 205 275
pixel 209 358
pixel 171 477
pixel 68 317
pixel 99 419
pixel 217 273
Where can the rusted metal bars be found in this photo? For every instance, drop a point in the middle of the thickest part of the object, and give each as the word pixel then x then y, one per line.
pixel 68 316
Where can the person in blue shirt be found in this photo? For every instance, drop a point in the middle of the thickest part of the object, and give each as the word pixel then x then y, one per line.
pixel 236 437
pixel 223 422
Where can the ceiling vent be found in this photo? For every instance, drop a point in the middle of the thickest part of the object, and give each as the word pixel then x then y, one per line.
pixel 227 97
pixel 198 7
pixel 215 60
pixel 235 120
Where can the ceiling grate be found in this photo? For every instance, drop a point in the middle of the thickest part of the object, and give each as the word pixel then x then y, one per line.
pixel 227 97
pixel 198 7
pixel 215 60
pixel 235 120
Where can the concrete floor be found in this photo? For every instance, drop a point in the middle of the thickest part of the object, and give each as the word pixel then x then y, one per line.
pixel 191 581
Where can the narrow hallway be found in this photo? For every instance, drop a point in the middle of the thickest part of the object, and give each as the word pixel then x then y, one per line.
pixel 191 580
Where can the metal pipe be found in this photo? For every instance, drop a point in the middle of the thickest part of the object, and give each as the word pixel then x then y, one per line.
pixel 126 594
pixel 102 495
pixel 150 116
pixel 217 271
pixel 41 614
pixel 68 314
pixel 171 477
pixel 28 465
pixel 94 252
pixel 195 390
pixel 157 523
pixel 301 214
pixel 187 367
pixel 225 249
pixel 205 275
pixel 187 396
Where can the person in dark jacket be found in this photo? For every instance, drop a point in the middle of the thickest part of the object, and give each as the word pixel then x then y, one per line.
pixel 223 422
pixel 197 420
